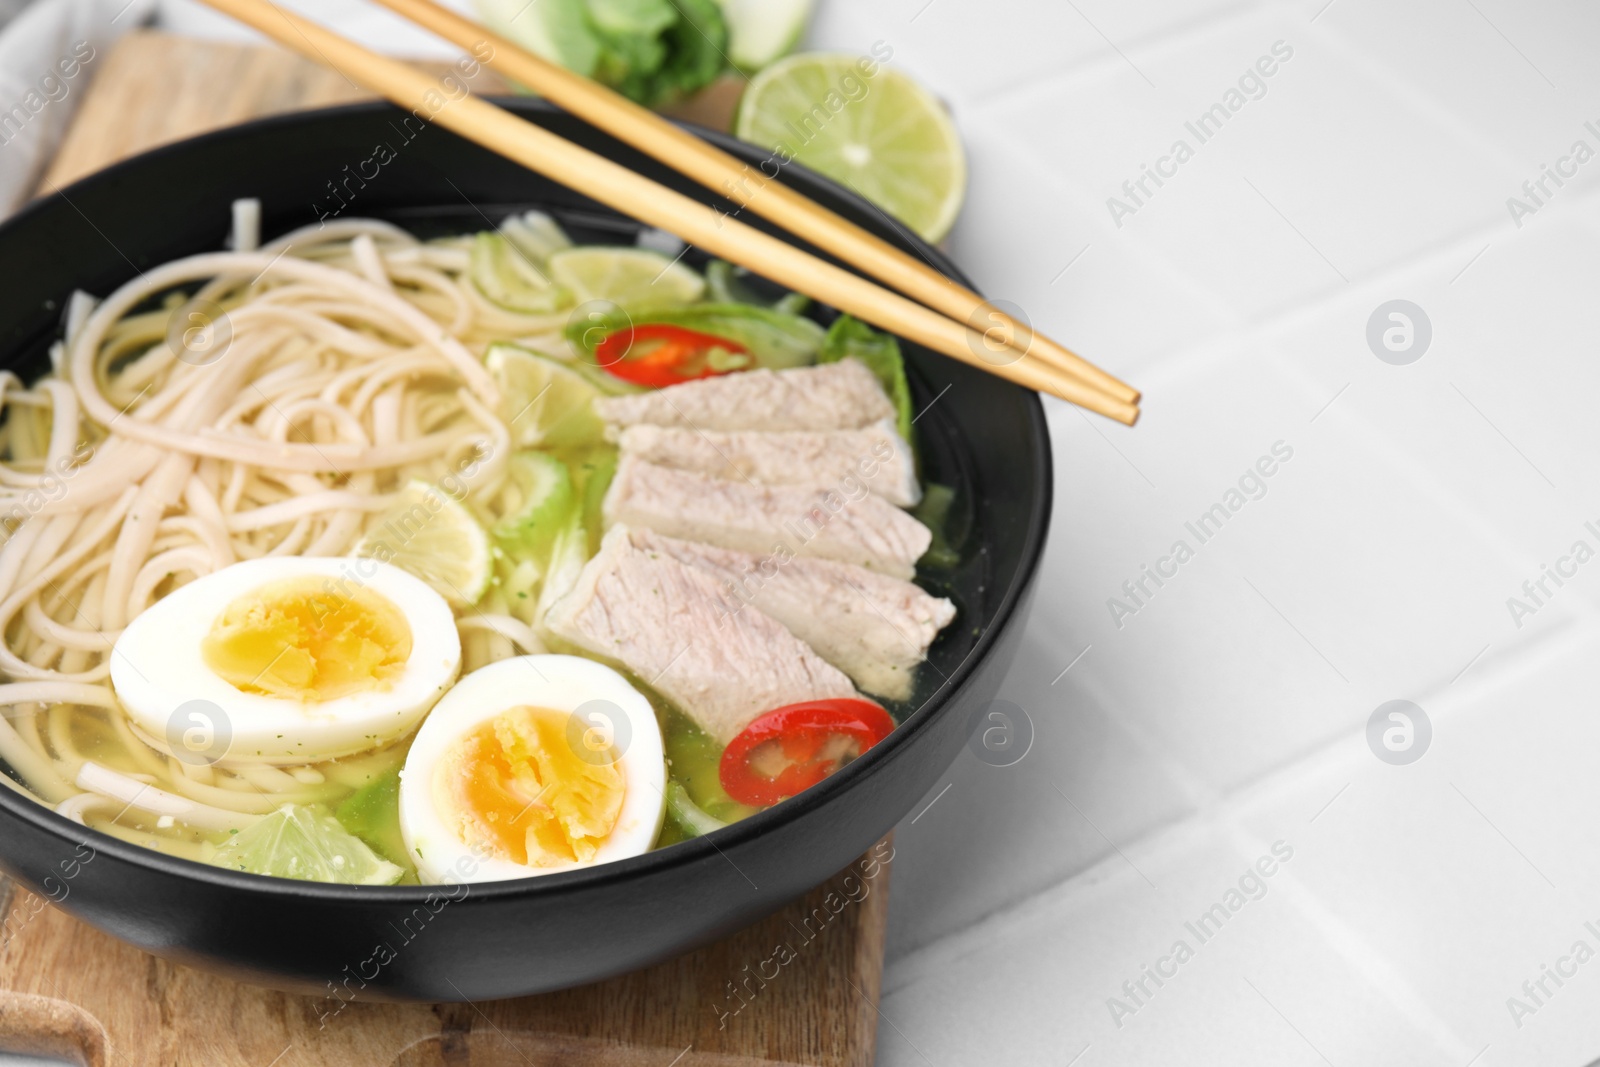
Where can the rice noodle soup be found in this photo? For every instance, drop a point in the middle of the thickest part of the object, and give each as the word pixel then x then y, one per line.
pixel 365 559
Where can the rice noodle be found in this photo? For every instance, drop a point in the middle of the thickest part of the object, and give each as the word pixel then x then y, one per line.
pixel 94 778
pixel 351 365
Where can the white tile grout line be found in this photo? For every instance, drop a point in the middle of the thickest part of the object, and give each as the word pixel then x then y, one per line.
pixel 1509 647
pixel 1337 760
pixel 1384 79
pixel 1236 344
pixel 1376 72
pixel 1365 958
pixel 1370 436
pixel 1512 658
pixel 1421 477
pixel 1539 648
pixel 1160 40
pixel 1243 344
pixel 1384 76
pixel 1447 252
pixel 1218 21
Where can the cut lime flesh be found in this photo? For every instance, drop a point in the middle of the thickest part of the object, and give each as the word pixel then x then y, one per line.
pixel 881 134
pixel 430 534
pixel 629 277
pixel 307 844
pixel 546 403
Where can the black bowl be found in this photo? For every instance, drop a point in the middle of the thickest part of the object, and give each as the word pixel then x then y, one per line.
pixel 508 938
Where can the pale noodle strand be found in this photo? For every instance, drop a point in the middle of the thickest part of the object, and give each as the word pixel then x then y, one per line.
pixel 369 262
pixel 82 357
pixel 9 661
pixel 511 629
pixel 353 365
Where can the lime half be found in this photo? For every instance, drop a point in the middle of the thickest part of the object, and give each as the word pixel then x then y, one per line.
pixel 547 404
pixel 894 143
pixel 430 534
pixel 631 277
pixel 308 844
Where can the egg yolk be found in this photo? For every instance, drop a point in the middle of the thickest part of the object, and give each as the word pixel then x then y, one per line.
pixel 517 789
pixel 302 640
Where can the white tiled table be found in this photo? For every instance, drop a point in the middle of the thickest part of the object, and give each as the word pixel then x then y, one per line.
pixel 1229 713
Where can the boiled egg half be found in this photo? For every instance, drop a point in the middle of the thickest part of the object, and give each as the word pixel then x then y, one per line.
pixel 289 660
pixel 530 765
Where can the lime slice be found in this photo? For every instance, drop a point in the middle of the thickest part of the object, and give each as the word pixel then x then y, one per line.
pixel 431 534
pixel 631 277
pixel 547 404
pixel 894 145
pixel 505 274
pixel 760 31
pixel 308 844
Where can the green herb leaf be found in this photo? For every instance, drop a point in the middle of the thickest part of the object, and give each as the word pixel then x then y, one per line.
pixel 852 338
pixel 642 18
pixel 697 48
pixel 558 30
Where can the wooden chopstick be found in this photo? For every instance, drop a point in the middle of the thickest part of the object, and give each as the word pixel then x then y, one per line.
pixel 631 193
pixel 722 173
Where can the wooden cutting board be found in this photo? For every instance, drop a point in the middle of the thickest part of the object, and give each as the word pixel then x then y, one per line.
pixel 68 990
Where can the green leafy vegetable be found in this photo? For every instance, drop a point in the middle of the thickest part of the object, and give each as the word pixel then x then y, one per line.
pixel 654 51
pixel 850 337
pixel 595 474
pixel 734 285
pixel 793 304
pixel 558 30
pixel 543 504
pixel 691 819
pixel 644 18
pixel 536 235
pixel 630 63
pixel 567 557
pixel 503 273
pixel 697 50
pixel 762 31
pixel 776 340
pixel 372 813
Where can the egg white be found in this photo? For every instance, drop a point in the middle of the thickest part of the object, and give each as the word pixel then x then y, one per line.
pixel 559 683
pixel 157 666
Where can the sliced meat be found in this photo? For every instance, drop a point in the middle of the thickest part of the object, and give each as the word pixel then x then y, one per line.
pixel 677 629
pixel 875 457
pixel 768 519
pixel 874 628
pixel 834 396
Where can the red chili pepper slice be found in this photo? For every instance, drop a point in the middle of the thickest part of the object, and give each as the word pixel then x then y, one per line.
pixel 658 355
pixel 793 748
